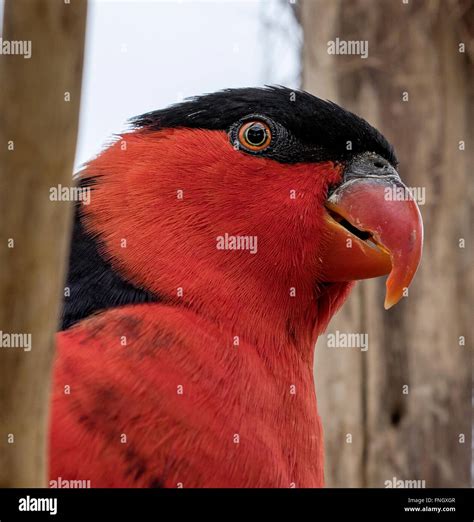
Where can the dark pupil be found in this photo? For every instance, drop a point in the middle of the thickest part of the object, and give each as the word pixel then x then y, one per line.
pixel 256 134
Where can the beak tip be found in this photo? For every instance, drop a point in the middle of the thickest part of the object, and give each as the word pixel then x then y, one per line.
pixel 392 297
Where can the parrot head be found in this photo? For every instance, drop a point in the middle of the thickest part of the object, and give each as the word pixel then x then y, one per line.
pixel 259 207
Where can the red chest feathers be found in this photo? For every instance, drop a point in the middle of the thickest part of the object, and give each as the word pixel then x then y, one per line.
pixel 153 396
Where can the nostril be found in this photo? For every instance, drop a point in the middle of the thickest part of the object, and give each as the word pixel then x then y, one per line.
pixel 369 164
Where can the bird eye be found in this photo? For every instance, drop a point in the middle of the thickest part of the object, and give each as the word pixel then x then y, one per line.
pixel 255 135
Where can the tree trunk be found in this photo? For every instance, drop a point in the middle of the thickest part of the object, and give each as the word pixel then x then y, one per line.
pixel 403 408
pixel 37 145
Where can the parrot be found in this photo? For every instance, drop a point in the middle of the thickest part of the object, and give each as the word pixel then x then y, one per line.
pixel 222 234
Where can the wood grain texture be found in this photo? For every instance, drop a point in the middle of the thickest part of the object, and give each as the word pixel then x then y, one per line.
pixel 413 49
pixel 42 126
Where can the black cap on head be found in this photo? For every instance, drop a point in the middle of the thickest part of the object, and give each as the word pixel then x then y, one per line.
pixel 319 130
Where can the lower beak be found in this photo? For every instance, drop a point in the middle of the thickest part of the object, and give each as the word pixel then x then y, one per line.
pixel 370 231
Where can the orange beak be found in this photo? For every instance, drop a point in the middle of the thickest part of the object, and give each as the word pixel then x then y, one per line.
pixel 373 228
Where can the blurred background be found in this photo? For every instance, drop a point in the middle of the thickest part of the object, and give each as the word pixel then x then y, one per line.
pixel 402 409
pixel 143 55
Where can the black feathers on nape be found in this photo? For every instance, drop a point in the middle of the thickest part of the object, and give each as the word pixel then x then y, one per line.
pixel 93 284
pixel 323 129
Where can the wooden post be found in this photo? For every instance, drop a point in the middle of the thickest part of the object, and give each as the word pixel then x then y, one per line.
pixel 403 408
pixel 39 109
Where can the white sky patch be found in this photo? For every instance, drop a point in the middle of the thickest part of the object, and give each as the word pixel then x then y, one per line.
pixel 145 55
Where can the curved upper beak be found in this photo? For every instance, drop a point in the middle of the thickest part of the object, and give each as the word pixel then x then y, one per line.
pixel 373 227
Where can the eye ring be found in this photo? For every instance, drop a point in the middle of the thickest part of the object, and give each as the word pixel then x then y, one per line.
pixel 255 135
